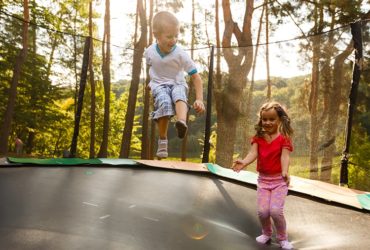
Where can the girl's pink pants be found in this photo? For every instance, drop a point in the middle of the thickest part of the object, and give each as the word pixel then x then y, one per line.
pixel 271 193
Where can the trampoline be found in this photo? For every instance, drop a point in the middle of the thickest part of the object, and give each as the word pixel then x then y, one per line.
pixel 146 207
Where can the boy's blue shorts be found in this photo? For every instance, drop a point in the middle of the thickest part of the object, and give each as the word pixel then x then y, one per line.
pixel 165 96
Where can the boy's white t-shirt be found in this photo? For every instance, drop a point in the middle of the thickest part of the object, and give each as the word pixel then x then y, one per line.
pixel 168 68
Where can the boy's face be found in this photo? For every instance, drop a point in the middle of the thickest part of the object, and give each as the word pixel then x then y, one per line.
pixel 168 38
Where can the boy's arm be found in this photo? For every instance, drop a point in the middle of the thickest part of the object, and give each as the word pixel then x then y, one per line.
pixel 285 156
pixel 198 86
pixel 251 157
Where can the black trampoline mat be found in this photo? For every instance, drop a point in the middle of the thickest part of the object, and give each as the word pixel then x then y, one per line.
pixel 145 208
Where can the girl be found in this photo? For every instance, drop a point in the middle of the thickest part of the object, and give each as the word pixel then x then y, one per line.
pixel 271 147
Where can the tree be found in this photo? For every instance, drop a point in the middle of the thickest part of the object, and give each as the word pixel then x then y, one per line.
pixel 334 78
pixel 103 152
pixel 336 91
pixel 267 51
pixel 147 145
pixel 314 91
pixel 136 70
pixel 193 38
pixel 326 78
pixel 359 168
pixel 229 97
pixel 92 84
pixel 8 116
pixel 244 130
pixel 218 47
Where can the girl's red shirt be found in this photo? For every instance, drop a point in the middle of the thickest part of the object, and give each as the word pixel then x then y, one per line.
pixel 269 153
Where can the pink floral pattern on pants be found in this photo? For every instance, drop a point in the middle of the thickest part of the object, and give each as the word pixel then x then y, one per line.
pixel 271 193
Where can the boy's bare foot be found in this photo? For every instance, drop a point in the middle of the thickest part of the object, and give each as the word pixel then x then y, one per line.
pixel 181 128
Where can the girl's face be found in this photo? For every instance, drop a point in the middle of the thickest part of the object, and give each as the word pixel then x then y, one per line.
pixel 270 121
pixel 168 38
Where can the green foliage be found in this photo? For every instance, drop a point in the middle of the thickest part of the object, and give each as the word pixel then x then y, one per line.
pixel 55 137
pixel 359 170
pixel 45 103
pixel 213 140
pixel 44 111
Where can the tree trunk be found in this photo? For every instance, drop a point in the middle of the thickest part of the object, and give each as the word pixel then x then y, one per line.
pixel 75 55
pixel 56 145
pixel 103 152
pixel 191 93
pixel 30 142
pixel 333 114
pixel 145 139
pixel 54 44
pixel 267 52
pixel 326 76
pixel 217 90
pixel 249 100
pixel 92 84
pixel 225 146
pixel 51 57
pixel 136 70
pixel 314 95
pixel 218 48
pixel 32 47
pixel 229 97
pixel 81 94
pixel 9 111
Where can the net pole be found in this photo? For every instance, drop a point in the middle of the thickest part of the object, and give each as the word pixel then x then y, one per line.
pixel 356 73
pixel 83 79
pixel 207 133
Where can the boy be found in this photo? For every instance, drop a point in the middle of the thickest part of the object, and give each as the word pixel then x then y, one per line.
pixel 167 64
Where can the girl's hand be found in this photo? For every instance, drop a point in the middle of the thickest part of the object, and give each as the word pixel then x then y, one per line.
pixel 286 178
pixel 238 165
pixel 199 106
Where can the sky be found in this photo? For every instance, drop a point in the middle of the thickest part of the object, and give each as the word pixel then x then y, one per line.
pixel 284 57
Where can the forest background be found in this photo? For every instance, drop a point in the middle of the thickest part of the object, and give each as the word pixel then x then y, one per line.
pixel 299 53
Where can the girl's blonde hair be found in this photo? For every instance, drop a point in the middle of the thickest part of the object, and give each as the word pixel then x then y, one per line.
pixel 284 127
pixel 162 20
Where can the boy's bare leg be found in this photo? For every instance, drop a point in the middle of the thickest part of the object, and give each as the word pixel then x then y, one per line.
pixel 163 127
pixel 181 113
pixel 181 110
pixel 162 151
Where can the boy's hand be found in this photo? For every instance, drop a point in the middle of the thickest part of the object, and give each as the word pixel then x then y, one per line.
pixel 238 165
pixel 199 106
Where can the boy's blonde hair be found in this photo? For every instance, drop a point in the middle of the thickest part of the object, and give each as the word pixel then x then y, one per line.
pixel 284 128
pixel 162 20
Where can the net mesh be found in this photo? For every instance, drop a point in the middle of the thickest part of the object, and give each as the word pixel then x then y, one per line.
pixel 47 92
